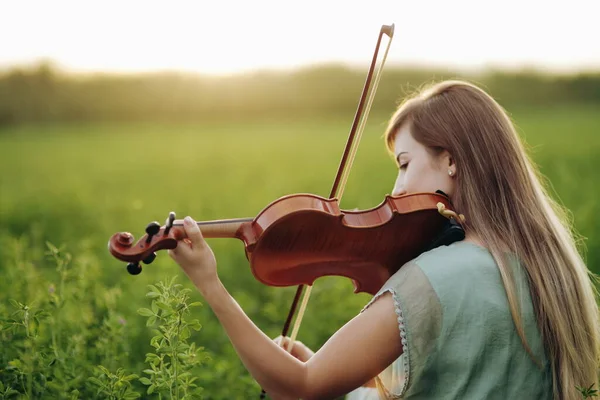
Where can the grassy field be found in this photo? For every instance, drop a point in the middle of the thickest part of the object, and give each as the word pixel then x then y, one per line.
pixel 74 185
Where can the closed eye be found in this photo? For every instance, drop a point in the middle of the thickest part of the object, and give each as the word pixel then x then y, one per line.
pixel 402 166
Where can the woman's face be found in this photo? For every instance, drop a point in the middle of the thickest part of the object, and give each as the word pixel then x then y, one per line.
pixel 420 170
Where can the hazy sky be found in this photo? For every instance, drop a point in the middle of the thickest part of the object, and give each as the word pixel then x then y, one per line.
pixel 234 36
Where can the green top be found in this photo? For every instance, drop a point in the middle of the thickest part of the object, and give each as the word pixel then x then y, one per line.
pixel 459 339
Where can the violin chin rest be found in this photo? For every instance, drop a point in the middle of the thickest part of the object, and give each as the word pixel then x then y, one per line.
pixel 450 233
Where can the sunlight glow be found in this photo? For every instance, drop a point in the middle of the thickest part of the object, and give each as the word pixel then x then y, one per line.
pixel 233 36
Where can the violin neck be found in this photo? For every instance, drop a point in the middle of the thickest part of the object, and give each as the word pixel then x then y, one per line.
pixel 220 228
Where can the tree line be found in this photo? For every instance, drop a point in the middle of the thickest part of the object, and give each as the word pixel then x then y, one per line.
pixel 43 93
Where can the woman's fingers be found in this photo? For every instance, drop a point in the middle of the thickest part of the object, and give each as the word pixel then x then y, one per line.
pixel 190 227
pixel 284 342
pixel 300 351
pixel 193 232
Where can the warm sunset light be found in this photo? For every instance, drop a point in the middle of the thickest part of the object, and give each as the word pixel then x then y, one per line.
pixel 234 36
pixel 471 192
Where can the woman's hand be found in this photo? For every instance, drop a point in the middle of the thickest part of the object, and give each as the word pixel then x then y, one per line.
pixel 194 256
pixel 300 351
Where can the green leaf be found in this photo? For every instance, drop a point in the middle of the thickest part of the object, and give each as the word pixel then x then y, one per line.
pixel 151 389
pixel 149 371
pixel 182 346
pixel 129 377
pixel 195 304
pixel 195 325
pixel 153 295
pixel 131 395
pixel 104 370
pixel 154 307
pixel 185 333
pixel 52 247
pixel 151 321
pixel 184 375
pixel 41 313
pixel 96 381
pixel 15 303
pixel 145 312
pixel 154 343
pixel 163 305
pixel 146 382
pixel 153 288
pixel 1 387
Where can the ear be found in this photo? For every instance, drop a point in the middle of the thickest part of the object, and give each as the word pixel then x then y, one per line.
pixel 447 161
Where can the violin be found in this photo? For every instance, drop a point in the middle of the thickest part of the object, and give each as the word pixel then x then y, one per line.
pixel 298 238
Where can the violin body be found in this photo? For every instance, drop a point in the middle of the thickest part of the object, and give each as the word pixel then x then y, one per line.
pixel 318 239
pixel 299 238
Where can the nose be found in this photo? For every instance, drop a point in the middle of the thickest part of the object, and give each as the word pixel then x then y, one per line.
pixel 398 186
pixel 398 191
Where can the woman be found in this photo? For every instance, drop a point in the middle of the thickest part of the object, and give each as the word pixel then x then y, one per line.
pixel 508 313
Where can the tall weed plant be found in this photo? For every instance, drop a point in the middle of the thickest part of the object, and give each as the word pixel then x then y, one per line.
pixel 64 336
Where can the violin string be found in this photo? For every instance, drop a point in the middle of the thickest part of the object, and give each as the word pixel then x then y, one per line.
pixel 179 222
pixel 361 127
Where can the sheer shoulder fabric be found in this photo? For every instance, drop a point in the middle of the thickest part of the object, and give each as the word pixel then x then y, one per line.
pixel 418 312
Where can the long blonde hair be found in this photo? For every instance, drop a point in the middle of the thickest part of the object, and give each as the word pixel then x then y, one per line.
pixel 507 207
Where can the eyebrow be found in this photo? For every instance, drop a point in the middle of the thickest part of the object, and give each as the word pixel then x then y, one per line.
pixel 398 156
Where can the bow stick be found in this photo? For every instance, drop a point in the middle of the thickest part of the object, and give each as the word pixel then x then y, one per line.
pixel 342 173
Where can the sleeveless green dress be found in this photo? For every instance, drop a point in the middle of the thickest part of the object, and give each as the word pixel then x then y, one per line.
pixel 459 339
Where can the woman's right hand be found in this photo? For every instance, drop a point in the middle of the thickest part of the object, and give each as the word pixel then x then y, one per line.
pixel 300 351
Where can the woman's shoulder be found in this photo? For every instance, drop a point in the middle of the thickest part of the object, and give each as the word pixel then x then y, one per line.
pixel 455 253
pixel 456 270
pixel 460 261
pixel 448 274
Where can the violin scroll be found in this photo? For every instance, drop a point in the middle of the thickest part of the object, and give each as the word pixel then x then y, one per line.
pixel 121 245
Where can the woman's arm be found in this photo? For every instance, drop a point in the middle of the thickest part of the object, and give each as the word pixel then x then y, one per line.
pixel 352 356
pixel 355 354
pixel 303 353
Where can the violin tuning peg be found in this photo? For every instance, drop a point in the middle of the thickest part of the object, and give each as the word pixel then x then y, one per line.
pixel 149 259
pixel 169 222
pixel 134 268
pixel 152 228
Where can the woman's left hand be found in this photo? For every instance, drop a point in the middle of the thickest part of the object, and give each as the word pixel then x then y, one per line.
pixel 195 256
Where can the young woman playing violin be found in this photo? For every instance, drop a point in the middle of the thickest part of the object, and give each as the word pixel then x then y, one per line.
pixel 508 313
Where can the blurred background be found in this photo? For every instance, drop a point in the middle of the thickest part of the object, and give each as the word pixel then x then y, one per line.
pixel 114 113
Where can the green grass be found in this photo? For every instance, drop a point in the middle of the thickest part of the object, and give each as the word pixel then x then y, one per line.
pixel 77 184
